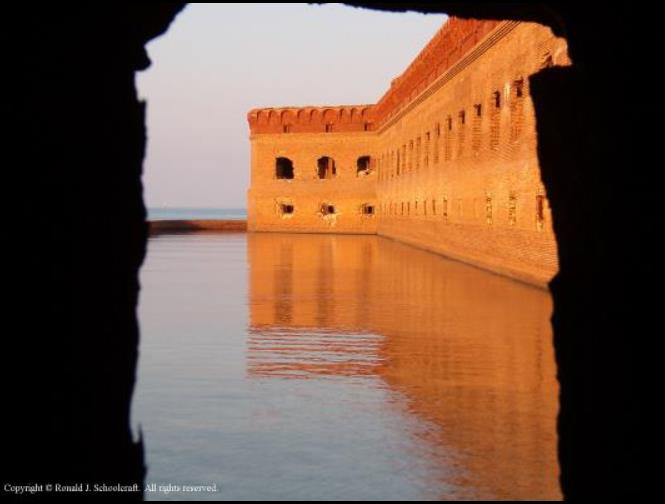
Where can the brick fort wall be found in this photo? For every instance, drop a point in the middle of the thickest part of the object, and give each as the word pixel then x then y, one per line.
pixel 446 160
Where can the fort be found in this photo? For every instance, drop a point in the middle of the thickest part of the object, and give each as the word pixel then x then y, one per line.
pixel 77 140
pixel 446 160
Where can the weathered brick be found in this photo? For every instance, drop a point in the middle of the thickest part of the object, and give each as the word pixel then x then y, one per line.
pixel 453 168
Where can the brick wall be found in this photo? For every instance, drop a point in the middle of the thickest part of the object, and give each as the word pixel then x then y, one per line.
pixel 296 204
pixel 453 168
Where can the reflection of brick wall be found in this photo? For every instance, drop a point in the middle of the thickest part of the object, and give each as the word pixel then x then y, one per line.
pixel 453 147
pixel 471 352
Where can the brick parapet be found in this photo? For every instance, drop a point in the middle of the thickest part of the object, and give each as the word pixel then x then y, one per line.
pixel 448 46
pixel 331 119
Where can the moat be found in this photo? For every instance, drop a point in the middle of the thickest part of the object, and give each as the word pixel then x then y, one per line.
pixel 282 366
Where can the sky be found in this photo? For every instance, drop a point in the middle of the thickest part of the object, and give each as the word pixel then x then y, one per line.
pixel 218 61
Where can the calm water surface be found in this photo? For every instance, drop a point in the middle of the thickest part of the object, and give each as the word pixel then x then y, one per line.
pixel 299 367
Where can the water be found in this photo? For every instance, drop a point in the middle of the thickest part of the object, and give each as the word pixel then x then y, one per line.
pixel 341 367
pixel 197 213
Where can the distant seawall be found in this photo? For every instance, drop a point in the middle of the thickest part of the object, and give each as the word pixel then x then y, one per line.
pixel 181 226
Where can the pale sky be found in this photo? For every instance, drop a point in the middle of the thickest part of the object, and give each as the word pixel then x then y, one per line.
pixel 217 61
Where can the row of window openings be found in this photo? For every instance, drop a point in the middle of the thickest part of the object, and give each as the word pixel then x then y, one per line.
pixel 367 209
pixel 518 88
pixel 405 209
pixel 325 209
pixel 325 167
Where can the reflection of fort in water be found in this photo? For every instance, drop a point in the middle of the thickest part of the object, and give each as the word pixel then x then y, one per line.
pixel 470 351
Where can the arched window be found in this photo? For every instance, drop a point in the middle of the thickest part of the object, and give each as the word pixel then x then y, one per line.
pixel 326 167
pixel 363 166
pixel 283 168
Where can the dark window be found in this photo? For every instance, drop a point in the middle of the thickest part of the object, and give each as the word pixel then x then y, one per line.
pixel 327 209
pixel 479 109
pixel 519 88
pixel 326 167
pixel 368 209
pixel 286 208
pixel 540 210
pixel 363 165
pixel 283 168
pixel 497 99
